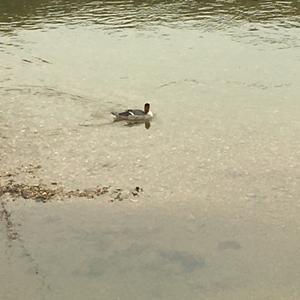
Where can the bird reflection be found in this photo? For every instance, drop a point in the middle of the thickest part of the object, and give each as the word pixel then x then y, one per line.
pixel 138 123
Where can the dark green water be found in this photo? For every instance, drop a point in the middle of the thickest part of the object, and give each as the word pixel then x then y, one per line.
pixel 220 164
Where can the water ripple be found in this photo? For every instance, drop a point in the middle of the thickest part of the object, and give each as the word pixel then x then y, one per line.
pixel 132 14
pixel 252 22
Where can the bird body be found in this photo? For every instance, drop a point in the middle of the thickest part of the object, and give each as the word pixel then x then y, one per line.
pixel 134 114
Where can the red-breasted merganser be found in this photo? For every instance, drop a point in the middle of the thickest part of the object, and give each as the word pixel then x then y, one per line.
pixel 134 114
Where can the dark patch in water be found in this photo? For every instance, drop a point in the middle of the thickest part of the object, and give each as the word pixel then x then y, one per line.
pixel 229 245
pixel 188 262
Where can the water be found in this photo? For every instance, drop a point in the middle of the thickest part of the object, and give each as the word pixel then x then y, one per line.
pixel 219 165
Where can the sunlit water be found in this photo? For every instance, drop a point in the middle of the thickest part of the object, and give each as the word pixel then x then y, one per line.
pixel 220 164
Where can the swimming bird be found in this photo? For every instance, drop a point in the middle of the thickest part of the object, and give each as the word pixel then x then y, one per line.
pixel 134 114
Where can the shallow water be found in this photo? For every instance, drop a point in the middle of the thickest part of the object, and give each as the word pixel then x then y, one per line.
pixel 219 166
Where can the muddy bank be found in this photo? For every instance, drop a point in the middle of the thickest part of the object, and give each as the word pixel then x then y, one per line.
pixel 9 185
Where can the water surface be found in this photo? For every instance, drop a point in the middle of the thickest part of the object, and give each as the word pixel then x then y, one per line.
pixel 219 166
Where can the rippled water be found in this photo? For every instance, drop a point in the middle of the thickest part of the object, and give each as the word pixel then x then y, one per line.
pixel 219 165
pixel 129 14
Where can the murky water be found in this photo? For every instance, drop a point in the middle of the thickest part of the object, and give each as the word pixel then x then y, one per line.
pixel 219 166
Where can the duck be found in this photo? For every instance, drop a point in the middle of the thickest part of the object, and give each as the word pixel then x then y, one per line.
pixel 134 114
